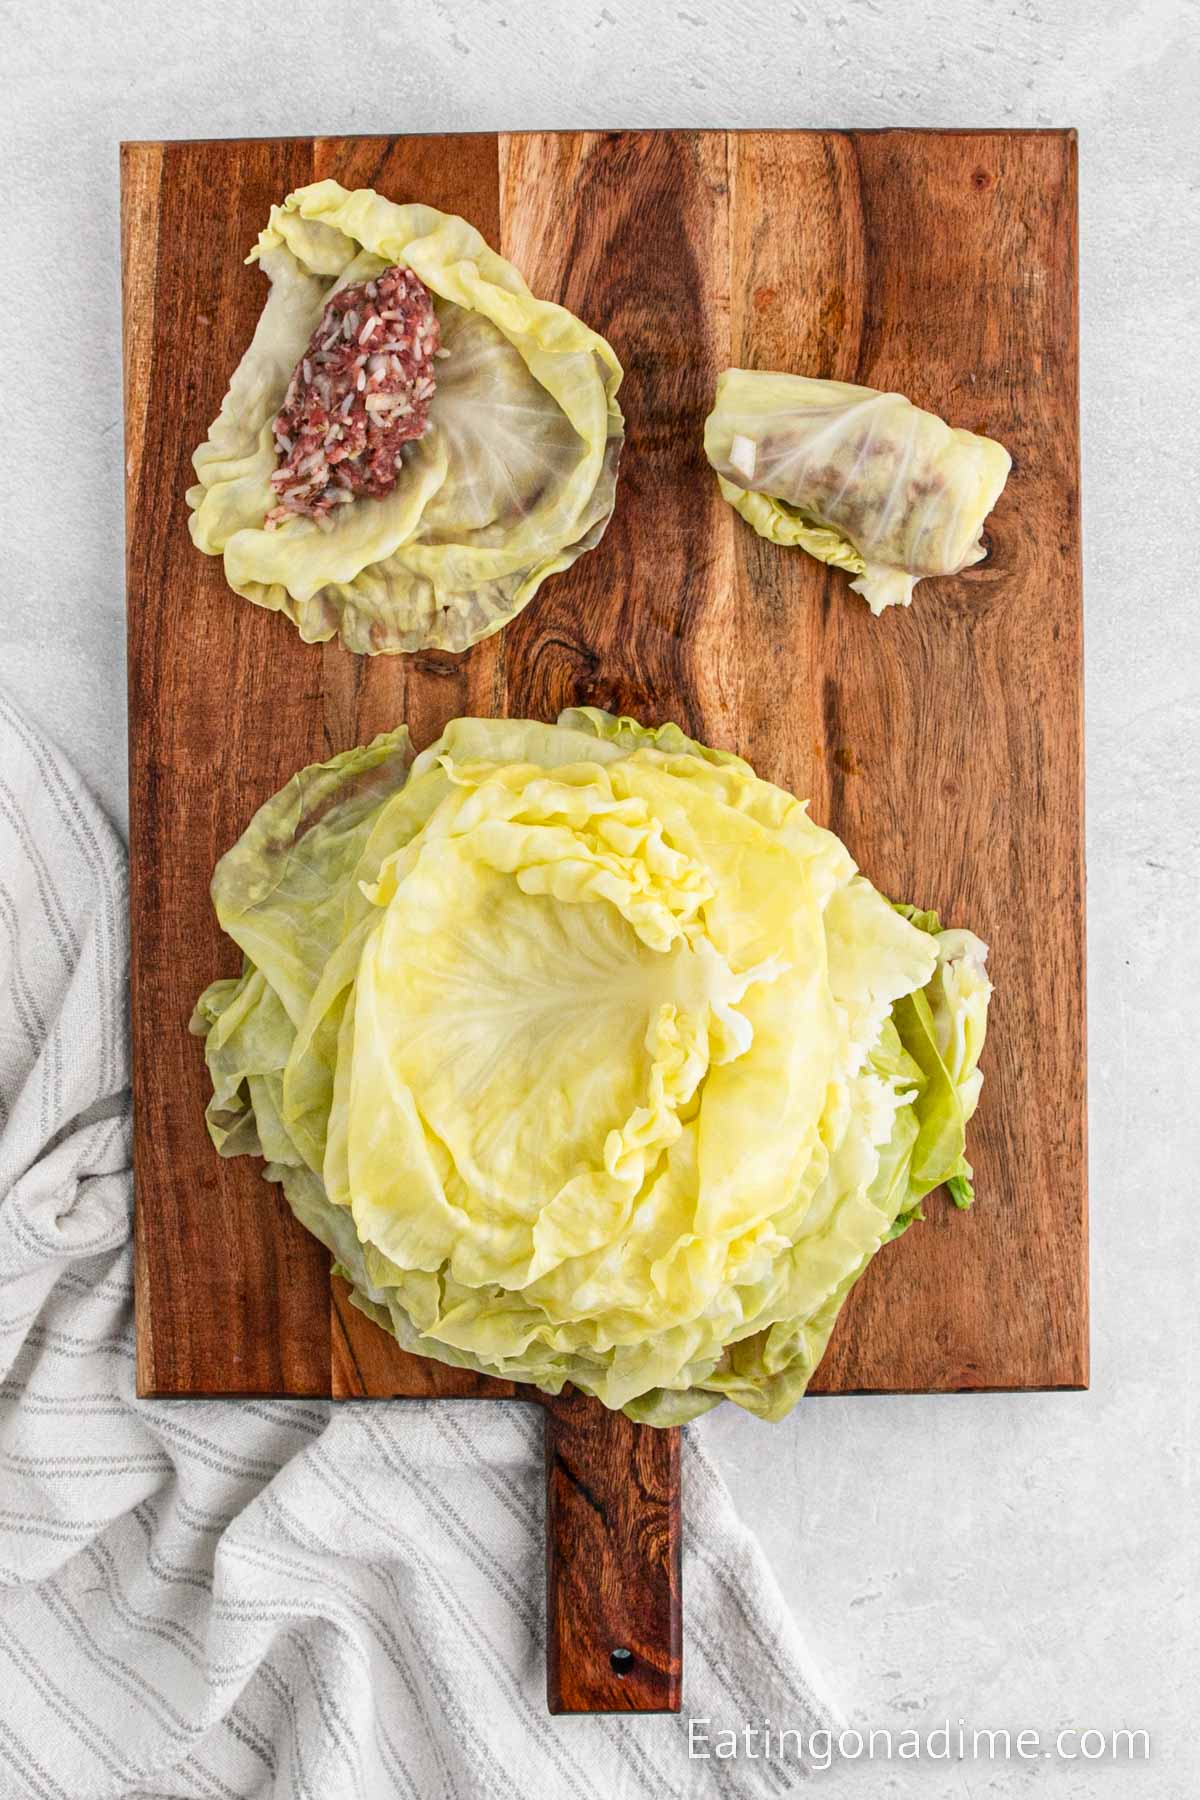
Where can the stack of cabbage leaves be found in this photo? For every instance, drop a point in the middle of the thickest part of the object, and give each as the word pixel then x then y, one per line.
pixel 588 1054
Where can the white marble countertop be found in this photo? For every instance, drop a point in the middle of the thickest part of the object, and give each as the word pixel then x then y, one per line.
pixel 1026 1560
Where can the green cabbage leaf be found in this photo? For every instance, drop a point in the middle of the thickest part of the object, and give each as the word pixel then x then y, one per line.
pixel 590 1056
pixel 514 478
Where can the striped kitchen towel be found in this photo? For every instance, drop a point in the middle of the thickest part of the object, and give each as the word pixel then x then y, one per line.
pixel 235 1599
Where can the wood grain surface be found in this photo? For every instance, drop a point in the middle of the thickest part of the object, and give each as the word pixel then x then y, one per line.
pixel 614 1609
pixel 944 744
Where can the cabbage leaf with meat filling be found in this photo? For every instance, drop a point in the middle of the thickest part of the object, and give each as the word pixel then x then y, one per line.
pixel 588 1054
pixel 513 480
pixel 863 480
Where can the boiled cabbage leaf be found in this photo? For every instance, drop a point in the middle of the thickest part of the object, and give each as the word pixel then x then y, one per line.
pixel 863 480
pixel 514 478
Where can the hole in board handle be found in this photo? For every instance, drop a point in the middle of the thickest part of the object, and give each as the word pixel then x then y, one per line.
pixel 622 1661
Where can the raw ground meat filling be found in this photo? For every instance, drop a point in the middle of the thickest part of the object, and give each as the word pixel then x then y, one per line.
pixel 358 394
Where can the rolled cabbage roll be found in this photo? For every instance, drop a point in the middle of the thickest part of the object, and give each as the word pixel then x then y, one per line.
pixel 514 432
pixel 860 479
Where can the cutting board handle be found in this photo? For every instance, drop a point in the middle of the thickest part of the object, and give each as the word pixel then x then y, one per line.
pixel 614 1620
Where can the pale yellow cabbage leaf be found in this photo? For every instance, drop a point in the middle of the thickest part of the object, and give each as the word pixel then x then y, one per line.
pixel 863 480
pixel 513 480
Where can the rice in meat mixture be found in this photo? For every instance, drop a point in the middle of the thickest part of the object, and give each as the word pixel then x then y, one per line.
pixel 358 394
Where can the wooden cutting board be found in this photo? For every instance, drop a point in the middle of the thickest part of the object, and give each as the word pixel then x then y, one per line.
pixel 944 743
